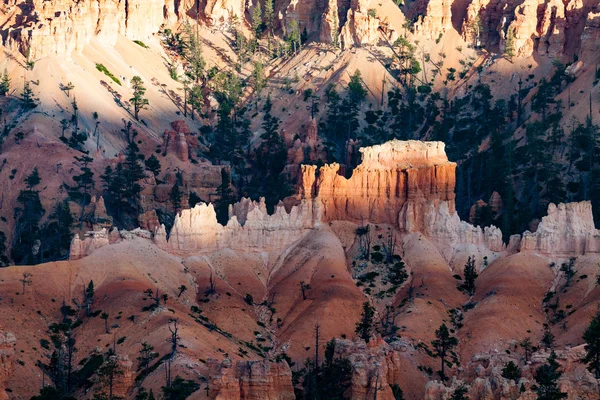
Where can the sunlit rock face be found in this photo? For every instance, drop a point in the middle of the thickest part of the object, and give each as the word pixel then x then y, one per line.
pixel 408 184
pixel 60 27
pixel 389 176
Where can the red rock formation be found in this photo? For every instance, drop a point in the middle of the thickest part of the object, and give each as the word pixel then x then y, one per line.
pixel 250 380
pixel 406 184
pixel 389 176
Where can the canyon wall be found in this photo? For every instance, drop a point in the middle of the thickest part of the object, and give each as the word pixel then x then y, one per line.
pixel 39 28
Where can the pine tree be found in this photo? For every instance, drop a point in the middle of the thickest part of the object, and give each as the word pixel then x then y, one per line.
pixel 193 54
pixel 146 356
pixel 257 22
pixel 591 337
pixel 85 182
pixel 138 100
pixel 108 372
pixel 511 371
pixel 470 274
pixel 443 344
pixel 196 99
pixel 89 298
pixel 28 216
pixel 509 45
pixel 175 197
pixel 29 101
pixel 56 234
pixel 153 165
pixel 225 198
pixel 546 377
pixel 269 20
pixel 259 80
pixel 4 83
pixel 364 328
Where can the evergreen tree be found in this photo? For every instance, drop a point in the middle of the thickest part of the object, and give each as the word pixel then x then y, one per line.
pixel 4 83
pixel 365 327
pixel 175 197
pixel 511 371
pixel 196 99
pixel 84 182
pixel 153 165
pixel 29 101
pixel 56 234
pixel 89 298
pixel 546 377
pixel 138 100
pixel 509 44
pixel 460 393
pixel 179 389
pixel 108 372
pixel 443 344
pixel 27 216
pixel 470 273
pixel 225 198
pixel 193 54
pixel 257 24
pixel 591 337
pixel 4 261
pixel 146 356
pixel 269 21
pixel 259 80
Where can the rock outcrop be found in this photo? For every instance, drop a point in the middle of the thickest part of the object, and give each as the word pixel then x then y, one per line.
pixel 60 27
pixel 7 350
pixel 377 364
pixel 249 380
pixel 250 227
pixel 361 25
pixel 567 230
pixel 590 38
pixel 437 19
pixel 389 176
pixel 406 184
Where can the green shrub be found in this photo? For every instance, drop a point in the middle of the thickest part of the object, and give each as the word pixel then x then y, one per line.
pixel 106 72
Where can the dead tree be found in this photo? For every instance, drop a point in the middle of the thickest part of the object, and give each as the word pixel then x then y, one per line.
pixel 303 288
pixel 26 280
pixel 174 329
pixel 364 240
pixel 211 281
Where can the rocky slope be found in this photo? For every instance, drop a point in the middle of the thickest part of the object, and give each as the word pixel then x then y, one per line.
pixel 268 256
